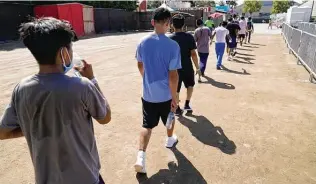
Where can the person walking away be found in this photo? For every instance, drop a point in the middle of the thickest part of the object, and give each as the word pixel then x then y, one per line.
pixel 233 29
pixel 202 36
pixel 188 50
pixel 209 23
pixel 158 61
pixel 270 24
pixel 221 33
pixel 243 28
pixel 250 28
pixel 54 111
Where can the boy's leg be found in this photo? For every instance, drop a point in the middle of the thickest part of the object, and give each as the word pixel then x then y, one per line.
pixel 150 120
pixel 179 110
pixel 217 55
pixel 202 62
pixel 221 50
pixel 164 110
pixel 189 83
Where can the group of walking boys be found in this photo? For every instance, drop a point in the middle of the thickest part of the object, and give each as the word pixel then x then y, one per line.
pixel 166 62
pixel 54 111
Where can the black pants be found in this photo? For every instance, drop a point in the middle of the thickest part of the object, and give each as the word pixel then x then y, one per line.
pixel 249 36
pixel 101 181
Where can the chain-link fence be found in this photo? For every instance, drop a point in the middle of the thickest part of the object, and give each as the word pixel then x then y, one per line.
pixel 307 27
pixel 302 44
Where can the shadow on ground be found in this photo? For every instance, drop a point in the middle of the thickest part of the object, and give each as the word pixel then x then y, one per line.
pixel 238 48
pixel 244 72
pixel 11 45
pixel 249 46
pixel 243 54
pixel 208 134
pixel 184 173
pixel 113 33
pixel 245 58
pixel 257 44
pixel 243 62
pixel 218 84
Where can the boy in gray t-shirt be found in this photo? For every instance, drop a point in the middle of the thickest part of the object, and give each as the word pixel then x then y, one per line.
pixel 202 37
pixel 54 111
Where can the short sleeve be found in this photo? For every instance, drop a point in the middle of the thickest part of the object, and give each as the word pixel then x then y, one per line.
pixel 175 61
pixel 94 101
pixel 9 118
pixel 192 43
pixel 138 55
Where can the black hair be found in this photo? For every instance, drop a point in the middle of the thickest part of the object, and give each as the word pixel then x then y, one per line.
pixel 234 16
pixel 45 36
pixel 230 19
pixel 209 18
pixel 242 18
pixel 161 15
pixel 249 18
pixel 199 22
pixel 224 24
pixel 178 21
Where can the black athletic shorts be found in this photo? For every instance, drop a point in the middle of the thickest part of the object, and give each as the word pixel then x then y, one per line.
pixel 242 35
pixel 153 112
pixel 187 77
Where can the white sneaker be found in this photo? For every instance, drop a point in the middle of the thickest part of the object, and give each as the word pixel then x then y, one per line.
pixel 171 141
pixel 140 163
pixel 229 58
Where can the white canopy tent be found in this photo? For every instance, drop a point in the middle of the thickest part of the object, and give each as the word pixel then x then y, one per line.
pixel 164 5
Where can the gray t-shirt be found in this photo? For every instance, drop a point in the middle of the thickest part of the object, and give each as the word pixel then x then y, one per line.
pixel 54 112
pixel 202 37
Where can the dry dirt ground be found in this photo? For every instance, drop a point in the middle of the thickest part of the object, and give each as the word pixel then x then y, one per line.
pixel 261 108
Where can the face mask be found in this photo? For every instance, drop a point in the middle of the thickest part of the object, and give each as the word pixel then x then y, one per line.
pixel 71 64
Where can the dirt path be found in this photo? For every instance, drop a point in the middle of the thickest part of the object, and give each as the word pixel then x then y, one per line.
pixel 262 107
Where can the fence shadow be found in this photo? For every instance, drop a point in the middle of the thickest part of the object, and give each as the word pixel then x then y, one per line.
pixel 113 33
pixel 238 48
pixel 257 44
pixel 208 134
pixel 249 46
pixel 244 72
pixel 12 45
pixel 222 85
pixel 243 62
pixel 244 54
pixel 184 173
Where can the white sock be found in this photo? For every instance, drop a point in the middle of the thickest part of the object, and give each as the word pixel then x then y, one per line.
pixel 141 154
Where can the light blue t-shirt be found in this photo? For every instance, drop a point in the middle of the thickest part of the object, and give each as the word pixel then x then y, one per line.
pixel 159 54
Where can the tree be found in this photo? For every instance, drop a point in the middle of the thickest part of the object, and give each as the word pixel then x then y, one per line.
pixel 204 3
pixel 221 3
pixel 127 4
pixel 231 3
pixel 153 4
pixel 280 6
pixel 251 6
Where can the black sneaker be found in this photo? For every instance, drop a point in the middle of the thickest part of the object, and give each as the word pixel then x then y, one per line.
pixel 187 108
pixel 179 111
pixel 218 68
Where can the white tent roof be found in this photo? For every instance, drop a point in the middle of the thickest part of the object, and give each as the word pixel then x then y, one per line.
pixel 164 5
pixel 308 4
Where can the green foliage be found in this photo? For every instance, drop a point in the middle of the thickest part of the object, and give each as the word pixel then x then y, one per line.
pixel 280 6
pixel 221 3
pixel 251 6
pixel 231 3
pixel 204 3
pixel 153 4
